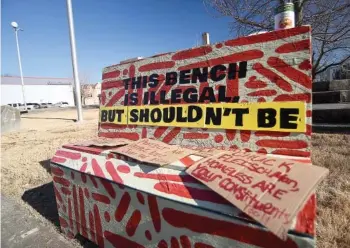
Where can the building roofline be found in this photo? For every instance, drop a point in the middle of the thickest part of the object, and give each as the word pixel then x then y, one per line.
pixel 35 77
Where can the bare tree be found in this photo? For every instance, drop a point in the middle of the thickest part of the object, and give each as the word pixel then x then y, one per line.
pixel 329 19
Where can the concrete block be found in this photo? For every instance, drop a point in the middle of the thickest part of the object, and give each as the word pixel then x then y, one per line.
pixel 340 85
pixel 10 119
pixel 320 86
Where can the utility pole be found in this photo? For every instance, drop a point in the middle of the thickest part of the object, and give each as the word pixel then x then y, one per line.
pixel 16 28
pixel 74 61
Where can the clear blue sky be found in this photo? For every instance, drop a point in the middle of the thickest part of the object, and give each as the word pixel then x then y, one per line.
pixel 107 31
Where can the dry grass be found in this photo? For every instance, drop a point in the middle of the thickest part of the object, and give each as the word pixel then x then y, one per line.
pixel 23 151
pixel 333 195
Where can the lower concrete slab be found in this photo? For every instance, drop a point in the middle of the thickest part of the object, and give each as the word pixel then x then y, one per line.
pixel 19 229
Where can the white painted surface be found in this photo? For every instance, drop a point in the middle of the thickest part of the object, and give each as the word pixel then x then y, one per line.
pixel 37 94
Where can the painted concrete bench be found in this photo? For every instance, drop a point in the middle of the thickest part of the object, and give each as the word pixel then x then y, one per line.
pixel 118 202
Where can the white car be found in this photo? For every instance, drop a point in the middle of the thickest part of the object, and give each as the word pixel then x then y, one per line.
pixel 62 104
pixel 21 107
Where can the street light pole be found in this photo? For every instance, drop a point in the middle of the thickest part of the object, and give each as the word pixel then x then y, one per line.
pixel 15 27
pixel 74 61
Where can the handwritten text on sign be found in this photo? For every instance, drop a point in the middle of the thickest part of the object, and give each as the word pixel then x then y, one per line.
pixel 153 152
pixel 272 116
pixel 270 190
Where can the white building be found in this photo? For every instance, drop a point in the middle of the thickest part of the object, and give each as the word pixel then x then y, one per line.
pixel 37 90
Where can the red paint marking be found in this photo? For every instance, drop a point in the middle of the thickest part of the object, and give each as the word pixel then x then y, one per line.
pixel 125 135
pixel 271 134
pixel 82 212
pixel 140 198
pixel 113 84
pixel 236 57
pixel 125 71
pixel 111 74
pixel 61 181
pixel 218 138
pixel 289 71
pixel 101 198
pixel 291 153
pixel 112 126
pixel 154 211
pixel 131 71
pixel 148 235
pixel 294 46
pixel 157 66
pixel 245 135
pixel 64 208
pixel 308 113
pixel 144 133
pixel 66 191
pixel 120 241
pixel 107 216
pixel 76 211
pixel 202 224
pixel 305 65
pixel 109 188
pixel 63 222
pixel 189 192
pixel 159 132
pixel 230 134
pixel 273 77
pixel 305 97
pixel 174 243
pixel 185 241
pixel 70 216
pixel 123 169
pixel 91 150
pixel 270 36
pixel 171 135
pixel 98 227
pixel 116 97
pixel 133 223
pixel 255 84
pixel 92 227
pixel 57 171
pixel 83 176
pixel 162 244
pixel 112 171
pixel 122 207
pixel 97 168
pixel 86 192
pixel 263 93
pixel 192 53
pixel 289 144
pixel 103 97
pixel 196 135
pixel 166 177
pixel 308 130
pixel 262 150
pixel 306 217
pixel 202 245
pixel 219 45
pixel 58 160
pixel 261 99
pixel 67 154
pixel 93 181
pixel 187 161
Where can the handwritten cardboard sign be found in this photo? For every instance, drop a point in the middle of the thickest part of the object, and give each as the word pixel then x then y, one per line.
pixel 153 152
pixel 270 190
pixel 104 142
